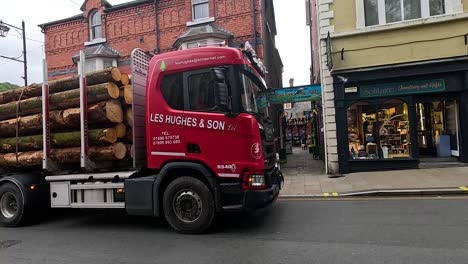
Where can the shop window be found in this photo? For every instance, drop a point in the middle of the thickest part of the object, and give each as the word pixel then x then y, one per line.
pixel 378 131
pixel 394 130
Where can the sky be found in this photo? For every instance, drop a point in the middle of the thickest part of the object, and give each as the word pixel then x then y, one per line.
pixel 292 40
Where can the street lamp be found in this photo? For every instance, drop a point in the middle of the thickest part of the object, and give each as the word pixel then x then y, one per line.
pixel 4 29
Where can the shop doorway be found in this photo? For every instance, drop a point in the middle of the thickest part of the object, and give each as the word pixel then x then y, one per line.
pixel 438 128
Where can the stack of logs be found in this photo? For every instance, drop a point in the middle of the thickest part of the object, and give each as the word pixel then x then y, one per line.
pixel 109 95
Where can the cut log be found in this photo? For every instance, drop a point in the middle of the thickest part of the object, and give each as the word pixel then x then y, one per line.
pixel 121 130
pixel 130 151
pixel 126 94
pixel 116 151
pixel 129 136
pixel 100 113
pixel 96 137
pixel 111 74
pixel 63 100
pixel 124 79
pixel 129 116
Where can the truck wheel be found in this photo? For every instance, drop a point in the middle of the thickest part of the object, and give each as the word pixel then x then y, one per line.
pixel 11 205
pixel 188 205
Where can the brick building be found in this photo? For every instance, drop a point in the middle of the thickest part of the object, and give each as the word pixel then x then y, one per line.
pixel 108 33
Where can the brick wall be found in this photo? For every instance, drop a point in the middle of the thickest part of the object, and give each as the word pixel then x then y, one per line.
pixel 134 27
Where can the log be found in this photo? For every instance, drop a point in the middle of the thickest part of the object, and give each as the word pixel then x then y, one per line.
pixel 116 151
pixel 100 113
pixel 129 136
pixel 111 74
pixel 62 100
pixel 124 79
pixel 129 116
pixel 126 94
pixel 130 151
pixel 121 130
pixel 96 137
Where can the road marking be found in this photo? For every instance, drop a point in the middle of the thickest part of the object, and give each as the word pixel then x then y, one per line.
pixel 335 194
pixel 464 188
pixel 326 194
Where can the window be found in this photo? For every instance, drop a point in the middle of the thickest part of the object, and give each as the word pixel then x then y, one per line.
pixel 379 131
pixel 200 9
pixel 380 12
pixel 172 90
pixel 202 91
pixel 95 29
pixel 197 44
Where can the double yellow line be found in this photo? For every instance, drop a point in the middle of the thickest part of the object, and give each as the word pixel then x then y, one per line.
pixel 334 194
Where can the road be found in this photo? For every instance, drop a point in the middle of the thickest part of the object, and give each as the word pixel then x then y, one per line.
pixel 405 230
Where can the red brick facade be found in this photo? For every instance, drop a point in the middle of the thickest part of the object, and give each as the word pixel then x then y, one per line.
pixel 133 25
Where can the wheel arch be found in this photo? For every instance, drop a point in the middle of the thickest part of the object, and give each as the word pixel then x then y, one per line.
pixel 174 170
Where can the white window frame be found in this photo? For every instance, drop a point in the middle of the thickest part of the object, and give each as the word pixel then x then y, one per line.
pixel 200 3
pixel 451 7
pixel 92 26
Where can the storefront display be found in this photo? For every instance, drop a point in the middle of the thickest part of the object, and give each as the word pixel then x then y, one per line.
pixel 378 131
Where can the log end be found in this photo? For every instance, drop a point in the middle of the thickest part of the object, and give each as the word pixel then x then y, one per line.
pixel 121 129
pixel 119 150
pixel 124 79
pixel 113 90
pixel 116 75
pixel 128 94
pixel 114 111
pixel 110 135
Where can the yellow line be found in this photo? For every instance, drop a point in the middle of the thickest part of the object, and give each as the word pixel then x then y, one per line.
pixel 464 188
pixel 335 194
pixel 326 194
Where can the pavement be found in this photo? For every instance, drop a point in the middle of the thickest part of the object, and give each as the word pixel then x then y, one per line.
pixel 305 177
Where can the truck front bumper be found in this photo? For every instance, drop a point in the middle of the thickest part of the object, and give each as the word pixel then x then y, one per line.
pixel 235 199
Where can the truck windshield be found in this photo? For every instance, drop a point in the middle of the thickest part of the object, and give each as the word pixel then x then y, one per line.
pixel 252 95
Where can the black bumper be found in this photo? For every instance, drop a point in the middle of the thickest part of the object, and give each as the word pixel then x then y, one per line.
pixel 236 199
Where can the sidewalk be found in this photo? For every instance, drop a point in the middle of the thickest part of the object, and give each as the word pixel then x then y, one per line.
pixel 305 177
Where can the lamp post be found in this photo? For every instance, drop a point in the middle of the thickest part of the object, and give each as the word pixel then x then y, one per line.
pixel 4 29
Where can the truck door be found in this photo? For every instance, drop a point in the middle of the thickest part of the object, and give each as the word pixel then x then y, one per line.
pixel 215 139
pixel 167 121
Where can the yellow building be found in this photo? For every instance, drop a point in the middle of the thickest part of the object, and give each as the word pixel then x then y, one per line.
pixel 394 82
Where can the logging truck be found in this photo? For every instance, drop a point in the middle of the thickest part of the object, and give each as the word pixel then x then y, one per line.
pixel 183 136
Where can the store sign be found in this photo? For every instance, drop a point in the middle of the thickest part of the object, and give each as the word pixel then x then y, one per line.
pixel 416 87
pixel 295 94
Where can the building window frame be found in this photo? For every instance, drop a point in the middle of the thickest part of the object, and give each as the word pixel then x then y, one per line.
pixel 451 7
pixel 197 3
pixel 95 26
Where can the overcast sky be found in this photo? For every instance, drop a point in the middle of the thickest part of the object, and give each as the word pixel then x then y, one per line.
pixel 292 40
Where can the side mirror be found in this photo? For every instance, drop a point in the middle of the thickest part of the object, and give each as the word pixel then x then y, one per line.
pixel 220 90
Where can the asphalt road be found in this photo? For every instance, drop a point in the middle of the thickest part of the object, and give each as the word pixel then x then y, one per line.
pixel 338 231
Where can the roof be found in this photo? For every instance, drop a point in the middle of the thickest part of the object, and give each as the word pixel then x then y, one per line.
pixel 201 32
pixel 127 5
pixel 68 19
pixel 94 51
pixel 104 3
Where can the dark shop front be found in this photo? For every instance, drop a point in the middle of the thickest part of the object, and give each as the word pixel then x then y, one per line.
pixel 395 117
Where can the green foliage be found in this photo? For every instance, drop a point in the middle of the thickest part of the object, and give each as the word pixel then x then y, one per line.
pixel 7 86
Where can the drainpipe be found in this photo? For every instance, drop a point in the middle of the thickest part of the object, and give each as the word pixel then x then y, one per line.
pixel 254 25
pixel 156 29
pixel 312 73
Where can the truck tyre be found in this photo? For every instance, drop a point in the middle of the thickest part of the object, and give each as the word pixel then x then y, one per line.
pixel 188 205
pixel 12 211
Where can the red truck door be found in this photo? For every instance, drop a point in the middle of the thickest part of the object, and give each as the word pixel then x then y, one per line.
pixel 216 140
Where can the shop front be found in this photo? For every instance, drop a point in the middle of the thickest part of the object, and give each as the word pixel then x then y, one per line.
pixel 391 119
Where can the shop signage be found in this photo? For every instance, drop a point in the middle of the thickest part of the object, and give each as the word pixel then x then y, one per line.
pixel 295 94
pixel 388 89
pixel 350 90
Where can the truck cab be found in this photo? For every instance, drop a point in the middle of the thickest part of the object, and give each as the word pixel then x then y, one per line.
pixel 203 109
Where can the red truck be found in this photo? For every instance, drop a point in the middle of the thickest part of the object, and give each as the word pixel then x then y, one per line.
pixel 202 145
